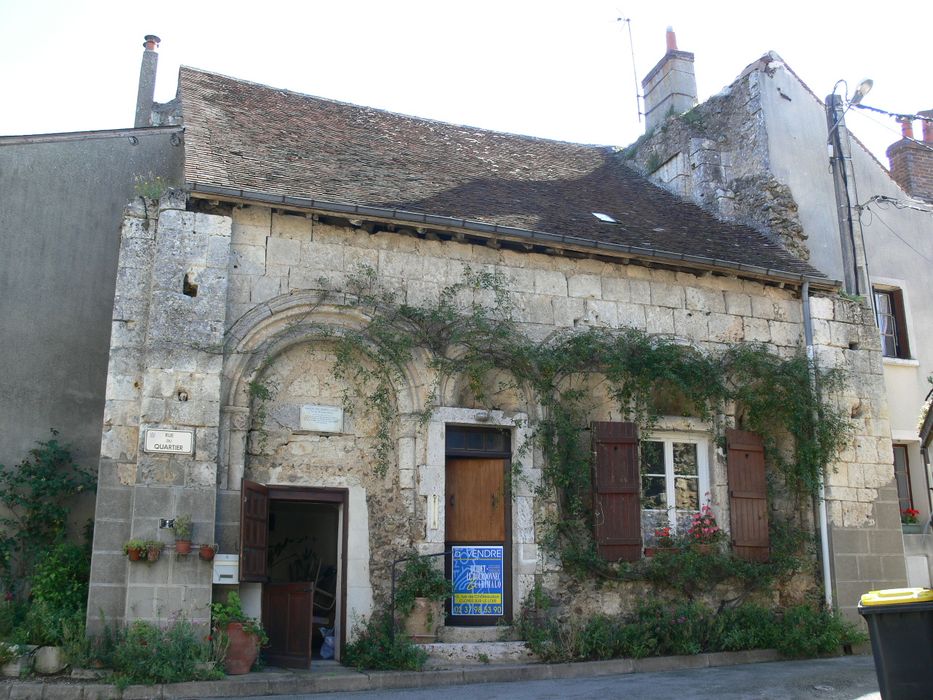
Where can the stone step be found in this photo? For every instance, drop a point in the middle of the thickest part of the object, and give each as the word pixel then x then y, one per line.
pixel 454 654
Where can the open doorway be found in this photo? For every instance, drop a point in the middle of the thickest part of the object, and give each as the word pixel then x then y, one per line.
pixel 294 543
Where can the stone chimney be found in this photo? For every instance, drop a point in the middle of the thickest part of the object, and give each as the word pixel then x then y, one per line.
pixel 147 78
pixel 911 161
pixel 670 87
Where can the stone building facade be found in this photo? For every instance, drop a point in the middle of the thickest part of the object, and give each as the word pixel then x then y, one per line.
pixel 756 152
pixel 230 293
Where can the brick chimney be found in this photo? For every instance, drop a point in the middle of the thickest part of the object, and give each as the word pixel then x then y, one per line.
pixel 670 87
pixel 912 162
pixel 147 78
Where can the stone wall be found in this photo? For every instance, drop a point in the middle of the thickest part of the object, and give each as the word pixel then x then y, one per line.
pixel 260 273
pixel 717 155
pixel 164 372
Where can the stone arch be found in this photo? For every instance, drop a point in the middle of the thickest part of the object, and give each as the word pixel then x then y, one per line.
pixel 268 331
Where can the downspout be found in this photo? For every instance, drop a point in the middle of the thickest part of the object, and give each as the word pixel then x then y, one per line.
pixel 821 495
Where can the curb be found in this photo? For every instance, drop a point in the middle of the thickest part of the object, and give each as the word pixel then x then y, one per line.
pixel 294 684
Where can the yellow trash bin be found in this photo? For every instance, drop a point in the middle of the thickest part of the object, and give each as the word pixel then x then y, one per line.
pixel 900 622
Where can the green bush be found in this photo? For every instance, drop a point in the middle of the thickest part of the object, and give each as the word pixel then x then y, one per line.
pixel 61 577
pixel 35 494
pixel 662 629
pixel 149 654
pixel 375 647
pixel 805 632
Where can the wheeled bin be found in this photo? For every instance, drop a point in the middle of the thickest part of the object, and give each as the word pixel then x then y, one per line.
pixel 900 622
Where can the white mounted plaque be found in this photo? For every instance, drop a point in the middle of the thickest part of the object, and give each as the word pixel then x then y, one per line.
pixel 176 442
pixel 321 419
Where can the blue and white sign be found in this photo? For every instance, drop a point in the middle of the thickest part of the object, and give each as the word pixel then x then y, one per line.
pixel 477 580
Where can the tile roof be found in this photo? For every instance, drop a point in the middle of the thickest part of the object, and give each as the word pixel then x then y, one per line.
pixel 252 137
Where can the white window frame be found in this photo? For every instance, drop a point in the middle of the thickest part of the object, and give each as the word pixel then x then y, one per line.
pixel 669 438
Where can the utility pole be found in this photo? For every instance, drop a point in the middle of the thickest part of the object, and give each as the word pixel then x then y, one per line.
pixel 854 262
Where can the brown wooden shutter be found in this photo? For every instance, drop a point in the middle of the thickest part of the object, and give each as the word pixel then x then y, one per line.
pixel 617 492
pixel 254 531
pixel 748 495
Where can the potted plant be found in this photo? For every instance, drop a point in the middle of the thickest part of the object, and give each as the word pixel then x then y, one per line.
pixel 134 549
pixel 240 635
pixel 207 551
pixel 182 529
pixel 421 589
pixel 704 532
pixel 153 550
pixel 663 541
pixel 910 522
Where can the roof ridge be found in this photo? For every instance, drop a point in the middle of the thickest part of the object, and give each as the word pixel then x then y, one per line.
pixel 402 115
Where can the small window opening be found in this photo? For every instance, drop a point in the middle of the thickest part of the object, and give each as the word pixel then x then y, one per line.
pixel 188 287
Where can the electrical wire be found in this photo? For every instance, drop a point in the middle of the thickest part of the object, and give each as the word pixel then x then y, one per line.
pixel 905 117
pixel 896 234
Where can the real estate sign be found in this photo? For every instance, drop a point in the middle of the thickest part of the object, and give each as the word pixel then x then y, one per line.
pixel 477 580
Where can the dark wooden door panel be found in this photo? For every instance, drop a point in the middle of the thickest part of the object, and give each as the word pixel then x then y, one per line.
pixel 287 615
pixel 476 500
pixel 254 531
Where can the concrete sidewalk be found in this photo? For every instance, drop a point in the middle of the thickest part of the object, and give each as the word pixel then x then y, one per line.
pixel 330 677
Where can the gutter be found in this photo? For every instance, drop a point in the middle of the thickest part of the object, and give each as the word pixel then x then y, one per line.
pixel 203 191
pixel 822 516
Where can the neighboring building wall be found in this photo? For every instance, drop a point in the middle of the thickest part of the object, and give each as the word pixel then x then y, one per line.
pixel 264 299
pixel 61 206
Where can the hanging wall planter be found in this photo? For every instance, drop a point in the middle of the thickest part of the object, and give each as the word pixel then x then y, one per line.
pixel 207 551
pixel 153 550
pixel 182 528
pixel 134 550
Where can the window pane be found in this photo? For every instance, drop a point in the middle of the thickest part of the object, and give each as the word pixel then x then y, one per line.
pixel 652 458
pixel 685 458
pixel 687 493
pixel 901 477
pixel 653 493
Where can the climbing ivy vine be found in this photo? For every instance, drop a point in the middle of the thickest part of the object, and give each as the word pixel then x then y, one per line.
pixel 470 331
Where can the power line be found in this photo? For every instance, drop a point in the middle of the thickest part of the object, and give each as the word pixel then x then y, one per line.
pixel 903 117
pixel 896 234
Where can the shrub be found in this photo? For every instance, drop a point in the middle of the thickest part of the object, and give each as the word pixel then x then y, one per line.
pixel 376 647
pixel 61 577
pixel 150 654
pixel 35 494
pixel 805 632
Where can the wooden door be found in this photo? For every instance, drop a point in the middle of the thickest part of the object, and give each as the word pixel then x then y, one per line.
pixel 476 500
pixel 287 610
pixel 254 531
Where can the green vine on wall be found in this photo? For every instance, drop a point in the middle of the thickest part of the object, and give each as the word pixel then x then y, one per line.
pixel 469 331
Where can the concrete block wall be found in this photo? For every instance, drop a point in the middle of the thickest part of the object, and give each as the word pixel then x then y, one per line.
pixel 164 373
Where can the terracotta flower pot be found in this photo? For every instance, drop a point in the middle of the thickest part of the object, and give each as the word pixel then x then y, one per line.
pixel 182 546
pixel 703 548
pixel 134 554
pixel 422 623
pixel 206 552
pixel 154 553
pixel 242 649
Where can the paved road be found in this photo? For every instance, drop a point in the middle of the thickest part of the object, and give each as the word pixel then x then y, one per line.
pixel 845 678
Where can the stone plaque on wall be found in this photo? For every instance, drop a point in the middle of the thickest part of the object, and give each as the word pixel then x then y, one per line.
pixel 177 442
pixel 321 419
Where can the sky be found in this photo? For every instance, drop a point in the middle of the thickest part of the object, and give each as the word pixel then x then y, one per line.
pixel 554 69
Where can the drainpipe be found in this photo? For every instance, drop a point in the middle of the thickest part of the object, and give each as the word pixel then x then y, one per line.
pixel 821 496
